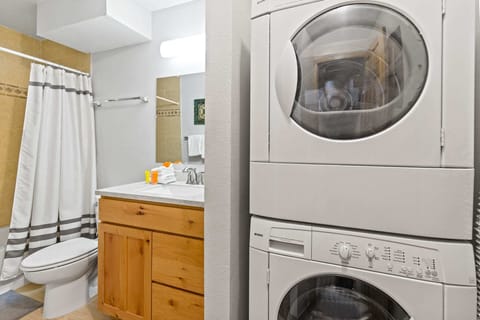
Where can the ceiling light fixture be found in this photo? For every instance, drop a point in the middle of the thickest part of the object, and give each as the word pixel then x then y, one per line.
pixel 192 46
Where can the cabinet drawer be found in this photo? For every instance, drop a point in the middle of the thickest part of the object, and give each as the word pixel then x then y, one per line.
pixel 173 219
pixel 178 262
pixel 173 304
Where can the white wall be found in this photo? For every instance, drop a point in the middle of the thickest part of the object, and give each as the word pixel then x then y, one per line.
pixel 192 87
pixel 19 15
pixel 126 134
pixel 126 131
pixel 227 160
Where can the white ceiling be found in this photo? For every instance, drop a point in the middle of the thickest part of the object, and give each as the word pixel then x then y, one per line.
pixel 21 15
pixel 154 5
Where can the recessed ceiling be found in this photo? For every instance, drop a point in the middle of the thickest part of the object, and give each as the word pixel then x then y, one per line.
pixel 154 5
pixel 21 15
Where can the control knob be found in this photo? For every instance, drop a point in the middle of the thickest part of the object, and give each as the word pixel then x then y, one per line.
pixel 345 251
pixel 370 253
pixel 419 272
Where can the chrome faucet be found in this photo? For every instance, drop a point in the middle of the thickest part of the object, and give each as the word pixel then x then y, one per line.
pixel 201 178
pixel 191 175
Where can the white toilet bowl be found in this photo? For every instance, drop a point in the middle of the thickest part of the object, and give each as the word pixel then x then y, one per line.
pixel 65 269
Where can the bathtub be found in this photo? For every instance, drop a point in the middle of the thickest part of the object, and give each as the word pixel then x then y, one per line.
pixel 9 284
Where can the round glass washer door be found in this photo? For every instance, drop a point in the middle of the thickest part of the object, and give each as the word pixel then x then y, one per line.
pixel 361 68
pixel 338 298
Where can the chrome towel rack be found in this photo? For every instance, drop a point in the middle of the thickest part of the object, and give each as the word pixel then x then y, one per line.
pixel 98 104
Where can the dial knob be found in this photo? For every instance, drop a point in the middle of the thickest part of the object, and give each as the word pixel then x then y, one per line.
pixel 370 252
pixel 345 252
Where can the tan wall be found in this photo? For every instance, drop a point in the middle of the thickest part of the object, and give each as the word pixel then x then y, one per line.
pixel 14 75
pixel 169 145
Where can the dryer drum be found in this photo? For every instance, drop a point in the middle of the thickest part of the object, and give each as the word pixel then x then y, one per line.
pixel 361 68
pixel 331 297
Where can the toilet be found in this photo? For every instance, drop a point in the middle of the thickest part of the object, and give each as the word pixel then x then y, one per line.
pixel 66 269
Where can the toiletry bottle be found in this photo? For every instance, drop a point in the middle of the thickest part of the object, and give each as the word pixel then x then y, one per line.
pixel 147 176
pixel 154 177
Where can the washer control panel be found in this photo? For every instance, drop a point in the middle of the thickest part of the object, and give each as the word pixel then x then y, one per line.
pixel 377 254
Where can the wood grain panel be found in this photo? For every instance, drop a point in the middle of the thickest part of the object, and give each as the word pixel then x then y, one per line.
pixel 124 272
pixel 114 258
pixel 135 268
pixel 173 304
pixel 178 262
pixel 173 219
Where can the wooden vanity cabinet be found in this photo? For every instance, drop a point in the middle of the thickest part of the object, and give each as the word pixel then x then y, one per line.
pixel 150 260
pixel 124 268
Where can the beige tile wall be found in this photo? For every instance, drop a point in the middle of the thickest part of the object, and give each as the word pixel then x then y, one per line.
pixel 14 75
pixel 168 144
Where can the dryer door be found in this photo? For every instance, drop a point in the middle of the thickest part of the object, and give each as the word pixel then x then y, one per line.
pixel 335 297
pixel 307 290
pixel 354 84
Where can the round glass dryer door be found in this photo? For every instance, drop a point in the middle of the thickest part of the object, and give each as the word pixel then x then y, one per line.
pixel 361 68
pixel 338 298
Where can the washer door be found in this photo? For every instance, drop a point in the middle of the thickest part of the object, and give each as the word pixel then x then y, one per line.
pixel 356 83
pixel 332 297
pixel 361 68
pixel 309 290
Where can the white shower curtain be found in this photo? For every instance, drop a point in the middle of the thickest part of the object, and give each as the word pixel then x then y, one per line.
pixel 56 179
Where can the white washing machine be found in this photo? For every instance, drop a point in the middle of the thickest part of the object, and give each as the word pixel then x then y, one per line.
pixel 300 272
pixel 364 111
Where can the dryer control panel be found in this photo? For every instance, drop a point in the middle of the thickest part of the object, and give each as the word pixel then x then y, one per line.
pixel 447 262
pixel 371 253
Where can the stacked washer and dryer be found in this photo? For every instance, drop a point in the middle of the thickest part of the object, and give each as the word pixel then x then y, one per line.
pixel 362 157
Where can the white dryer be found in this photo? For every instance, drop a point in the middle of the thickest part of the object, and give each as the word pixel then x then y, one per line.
pixel 364 111
pixel 300 272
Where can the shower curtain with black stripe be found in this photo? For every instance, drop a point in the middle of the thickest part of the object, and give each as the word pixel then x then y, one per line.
pixel 56 178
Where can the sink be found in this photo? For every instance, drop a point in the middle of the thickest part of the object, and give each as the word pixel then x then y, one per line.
pixel 174 190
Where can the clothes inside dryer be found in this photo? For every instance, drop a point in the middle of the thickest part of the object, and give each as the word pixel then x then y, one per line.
pixel 361 68
pixel 338 298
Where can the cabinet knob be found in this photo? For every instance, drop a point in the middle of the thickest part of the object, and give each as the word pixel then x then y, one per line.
pixel 140 213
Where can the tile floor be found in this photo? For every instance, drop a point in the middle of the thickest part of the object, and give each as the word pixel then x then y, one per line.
pixel 89 312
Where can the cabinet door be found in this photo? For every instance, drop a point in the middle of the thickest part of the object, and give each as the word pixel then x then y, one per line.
pixel 124 272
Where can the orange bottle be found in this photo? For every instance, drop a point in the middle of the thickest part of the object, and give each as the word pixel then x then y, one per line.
pixel 154 177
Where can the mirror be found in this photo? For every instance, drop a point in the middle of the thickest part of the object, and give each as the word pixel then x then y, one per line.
pixel 180 118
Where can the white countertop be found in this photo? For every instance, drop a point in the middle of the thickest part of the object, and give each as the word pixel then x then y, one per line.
pixel 175 193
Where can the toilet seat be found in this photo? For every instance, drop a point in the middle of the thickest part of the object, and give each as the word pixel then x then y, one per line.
pixel 60 254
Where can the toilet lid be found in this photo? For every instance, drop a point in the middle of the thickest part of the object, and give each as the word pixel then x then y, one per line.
pixel 60 253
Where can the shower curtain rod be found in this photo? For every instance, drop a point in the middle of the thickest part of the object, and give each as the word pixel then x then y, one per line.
pixel 32 58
